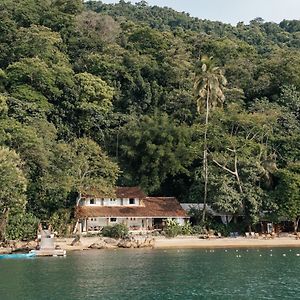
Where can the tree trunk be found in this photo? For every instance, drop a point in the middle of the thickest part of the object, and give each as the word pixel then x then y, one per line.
pixel 296 224
pixel 205 162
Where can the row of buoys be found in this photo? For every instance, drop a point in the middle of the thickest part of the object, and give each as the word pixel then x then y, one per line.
pixel 237 250
pixel 270 255
pixel 247 251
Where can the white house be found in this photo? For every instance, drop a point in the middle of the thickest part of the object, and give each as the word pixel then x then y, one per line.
pixel 131 207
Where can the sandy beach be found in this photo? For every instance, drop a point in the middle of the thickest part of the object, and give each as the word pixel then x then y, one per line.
pixel 240 242
pixel 194 242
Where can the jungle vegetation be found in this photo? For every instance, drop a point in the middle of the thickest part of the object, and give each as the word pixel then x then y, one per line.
pixel 93 95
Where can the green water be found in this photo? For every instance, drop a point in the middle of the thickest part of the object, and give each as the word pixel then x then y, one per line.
pixel 155 274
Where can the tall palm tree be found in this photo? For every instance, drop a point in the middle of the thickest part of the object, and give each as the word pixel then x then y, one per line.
pixel 209 93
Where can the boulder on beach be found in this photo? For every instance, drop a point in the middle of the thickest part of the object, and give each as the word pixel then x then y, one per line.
pixel 98 245
pixel 125 244
pixel 111 241
pixel 102 244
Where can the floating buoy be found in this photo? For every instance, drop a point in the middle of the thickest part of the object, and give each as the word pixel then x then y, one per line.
pixel 297 254
pixel 283 254
pixel 260 255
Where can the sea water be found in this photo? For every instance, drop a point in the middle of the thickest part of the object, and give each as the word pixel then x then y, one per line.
pixel 155 274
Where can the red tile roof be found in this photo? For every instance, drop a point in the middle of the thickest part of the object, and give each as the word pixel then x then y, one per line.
pixel 122 192
pixel 159 207
pixel 130 192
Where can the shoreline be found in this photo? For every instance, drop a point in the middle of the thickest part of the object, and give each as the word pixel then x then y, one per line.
pixel 180 242
pixel 240 242
pixel 196 243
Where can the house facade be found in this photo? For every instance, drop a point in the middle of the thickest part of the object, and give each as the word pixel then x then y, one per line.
pixel 131 207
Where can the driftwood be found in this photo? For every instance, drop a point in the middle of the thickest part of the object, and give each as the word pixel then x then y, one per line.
pixel 76 241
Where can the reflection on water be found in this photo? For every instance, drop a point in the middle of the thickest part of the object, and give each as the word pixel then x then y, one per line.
pixel 155 274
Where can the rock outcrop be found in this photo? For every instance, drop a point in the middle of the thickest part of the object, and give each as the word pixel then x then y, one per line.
pixel 131 242
pixel 137 242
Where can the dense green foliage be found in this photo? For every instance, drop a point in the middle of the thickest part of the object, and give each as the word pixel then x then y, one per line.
pixel 118 231
pixel 97 94
pixel 172 229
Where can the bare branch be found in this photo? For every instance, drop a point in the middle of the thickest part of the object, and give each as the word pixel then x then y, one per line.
pixel 224 167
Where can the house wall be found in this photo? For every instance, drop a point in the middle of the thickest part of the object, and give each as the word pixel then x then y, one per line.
pixel 180 221
pixel 96 223
pixel 109 202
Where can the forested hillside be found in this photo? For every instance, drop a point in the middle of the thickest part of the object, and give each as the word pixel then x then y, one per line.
pixel 93 95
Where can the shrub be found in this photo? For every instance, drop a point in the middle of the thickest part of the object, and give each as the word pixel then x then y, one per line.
pixel 199 229
pixel 60 221
pixel 187 229
pixel 172 228
pixel 118 231
pixel 22 227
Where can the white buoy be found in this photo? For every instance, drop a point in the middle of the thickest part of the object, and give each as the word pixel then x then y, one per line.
pixel 283 254
pixel 297 254
pixel 260 255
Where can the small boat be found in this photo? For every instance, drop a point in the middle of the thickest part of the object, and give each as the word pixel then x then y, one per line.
pixel 17 255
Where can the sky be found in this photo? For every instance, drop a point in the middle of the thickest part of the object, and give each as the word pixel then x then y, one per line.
pixel 233 11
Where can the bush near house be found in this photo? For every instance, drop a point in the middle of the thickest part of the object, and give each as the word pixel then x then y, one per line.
pixel 118 231
pixel 60 221
pixel 173 229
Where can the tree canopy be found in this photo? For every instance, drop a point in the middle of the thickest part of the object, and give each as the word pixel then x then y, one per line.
pixel 94 94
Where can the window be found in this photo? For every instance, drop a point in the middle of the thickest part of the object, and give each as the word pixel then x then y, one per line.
pixel 92 201
pixel 113 220
pixel 131 201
